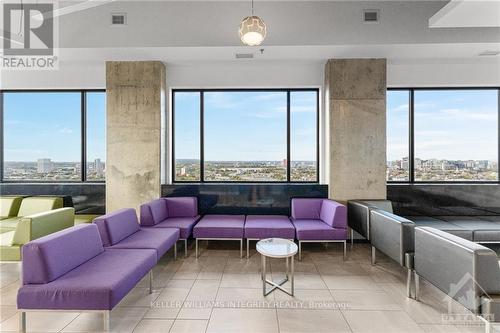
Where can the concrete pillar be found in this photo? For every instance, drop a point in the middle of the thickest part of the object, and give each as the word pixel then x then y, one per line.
pixel 134 103
pixel 355 102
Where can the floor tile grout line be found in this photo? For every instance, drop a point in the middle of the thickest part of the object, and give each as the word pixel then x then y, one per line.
pixel 216 295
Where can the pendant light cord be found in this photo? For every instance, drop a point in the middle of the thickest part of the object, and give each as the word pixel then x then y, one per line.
pixel 252 7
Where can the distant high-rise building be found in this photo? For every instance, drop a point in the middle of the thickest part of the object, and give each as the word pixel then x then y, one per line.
pixel 183 171
pixel 98 167
pixel 284 163
pixel 44 165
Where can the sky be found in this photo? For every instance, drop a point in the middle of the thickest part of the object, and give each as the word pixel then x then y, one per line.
pixel 48 125
pixel 246 126
pixel 449 124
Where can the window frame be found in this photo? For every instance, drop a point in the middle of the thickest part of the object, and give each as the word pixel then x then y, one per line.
pixel 288 92
pixel 83 135
pixel 411 132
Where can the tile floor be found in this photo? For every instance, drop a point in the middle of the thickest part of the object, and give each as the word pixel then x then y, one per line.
pixel 220 292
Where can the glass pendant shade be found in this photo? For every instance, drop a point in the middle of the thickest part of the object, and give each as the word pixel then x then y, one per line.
pixel 252 30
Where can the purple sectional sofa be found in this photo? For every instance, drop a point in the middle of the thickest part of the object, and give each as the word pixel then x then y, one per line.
pixel 268 226
pixel 319 220
pixel 220 227
pixel 121 230
pixel 172 212
pixel 70 270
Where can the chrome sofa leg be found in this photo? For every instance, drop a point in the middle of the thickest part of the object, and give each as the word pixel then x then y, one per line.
pixel 106 319
pixel 345 250
pixel 408 283
pixel 185 248
pixel 300 250
pixel 241 248
pixel 175 251
pixel 248 248
pixel 22 322
pixel 151 281
pixel 351 236
pixel 196 248
pixel 417 286
pixel 374 255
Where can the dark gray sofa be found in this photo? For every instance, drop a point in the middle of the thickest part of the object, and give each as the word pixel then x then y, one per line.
pixel 358 215
pixel 466 271
pixel 393 235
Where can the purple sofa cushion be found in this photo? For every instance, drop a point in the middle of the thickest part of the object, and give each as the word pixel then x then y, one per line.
pixel 333 213
pixel 182 206
pixel 267 226
pixel 98 284
pixel 160 240
pixel 153 212
pixel 184 224
pixel 317 230
pixel 47 258
pixel 306 208
pixel 220 226
pixel 117 225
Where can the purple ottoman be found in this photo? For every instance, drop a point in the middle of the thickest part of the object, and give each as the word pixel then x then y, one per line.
pixel 172 212
pixel 220 227
pixel 268 226
pixel 71 271
pixel 319 220
pixel 121 230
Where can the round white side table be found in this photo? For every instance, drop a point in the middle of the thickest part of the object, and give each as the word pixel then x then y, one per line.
pixel 277 248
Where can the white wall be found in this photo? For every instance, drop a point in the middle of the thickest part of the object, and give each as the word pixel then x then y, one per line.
pixel 258 73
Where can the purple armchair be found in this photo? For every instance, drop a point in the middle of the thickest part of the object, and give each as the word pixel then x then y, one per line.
pixel 172 212
pixel 71 271
pixel 121 230
pixel 319 220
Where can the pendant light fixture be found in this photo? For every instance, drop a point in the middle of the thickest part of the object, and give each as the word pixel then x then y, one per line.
pixel 252 30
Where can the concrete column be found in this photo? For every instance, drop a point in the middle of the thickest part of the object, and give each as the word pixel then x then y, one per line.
pixel 134 103
pixel 355 103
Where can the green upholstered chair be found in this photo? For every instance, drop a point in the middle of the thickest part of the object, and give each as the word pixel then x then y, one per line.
pixel 30 206
pixel 32 227
pixel 9 206
pixel 85 218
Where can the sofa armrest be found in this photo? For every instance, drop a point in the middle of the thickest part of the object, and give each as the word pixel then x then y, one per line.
pixel 42 224
pixel 460 268
pixel 334 214
pixel 392 235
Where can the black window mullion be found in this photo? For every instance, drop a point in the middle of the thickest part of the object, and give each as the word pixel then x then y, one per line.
pixel 288 162
pixel 202 137
pixel 411 157
pixel 83 96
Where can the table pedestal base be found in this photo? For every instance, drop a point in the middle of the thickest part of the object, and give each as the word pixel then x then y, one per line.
pixel 278 285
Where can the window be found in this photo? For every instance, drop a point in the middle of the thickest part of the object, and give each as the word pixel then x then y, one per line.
pixel 187 136
pixel 454 135
pixel 245 135
pixel 398 137
pixel 96 135
pixel 42 135
pixel 303 135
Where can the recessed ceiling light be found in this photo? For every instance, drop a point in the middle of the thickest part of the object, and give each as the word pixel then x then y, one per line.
pixel 489 53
